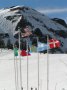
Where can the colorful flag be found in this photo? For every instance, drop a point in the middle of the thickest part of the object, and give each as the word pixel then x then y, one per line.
pixel 33 48
pixel 54 43
pixel 24 53
pixel 15 52
pixel 27 32
pixel 42 46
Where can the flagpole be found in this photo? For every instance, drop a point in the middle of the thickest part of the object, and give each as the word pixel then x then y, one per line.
pixel 27 64
pixel 38 64
pixel 20 63
pixel 15 70
pixel 47 65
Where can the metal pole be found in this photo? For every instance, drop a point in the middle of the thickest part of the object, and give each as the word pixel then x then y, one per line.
pixel 15 70
pixel 27 64
pixel 47 65
pixel 20 63
pixel 38 64
pixel 56 86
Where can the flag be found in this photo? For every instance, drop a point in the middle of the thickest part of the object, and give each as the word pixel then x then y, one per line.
pixel 42 46
pixel 27 32
pixel 15 52
pixel 24 53
pixel 33 48
pixel 54 43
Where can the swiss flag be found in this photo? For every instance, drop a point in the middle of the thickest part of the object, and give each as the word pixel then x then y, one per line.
pixel 54 43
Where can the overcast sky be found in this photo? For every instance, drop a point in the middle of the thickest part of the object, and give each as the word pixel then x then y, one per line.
pixel 52 8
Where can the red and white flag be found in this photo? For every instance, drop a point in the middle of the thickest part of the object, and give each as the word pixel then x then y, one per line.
pixel 54 43
pixel 27 32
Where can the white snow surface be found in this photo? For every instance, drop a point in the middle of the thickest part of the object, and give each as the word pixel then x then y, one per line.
pixel 57 71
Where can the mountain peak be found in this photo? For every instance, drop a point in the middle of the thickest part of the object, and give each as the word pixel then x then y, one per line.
pixel 40 25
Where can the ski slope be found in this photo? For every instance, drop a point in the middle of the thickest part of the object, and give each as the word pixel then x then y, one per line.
pixel 57 71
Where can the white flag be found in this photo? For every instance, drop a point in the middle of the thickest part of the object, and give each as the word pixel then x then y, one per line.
pixel 42 46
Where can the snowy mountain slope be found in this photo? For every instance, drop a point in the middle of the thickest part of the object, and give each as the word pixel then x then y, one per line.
pixel 20 16
pixel 57 71
pixel 60 21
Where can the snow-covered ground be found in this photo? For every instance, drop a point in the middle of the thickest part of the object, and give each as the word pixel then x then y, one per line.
pixel 57 71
